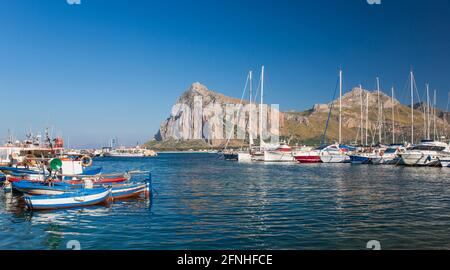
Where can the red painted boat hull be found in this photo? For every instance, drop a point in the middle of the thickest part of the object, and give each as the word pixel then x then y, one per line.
pixel 308 159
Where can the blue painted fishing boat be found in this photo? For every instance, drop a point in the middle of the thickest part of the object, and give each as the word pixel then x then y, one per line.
pixel 80 198
pixel 43 188
pixel 18 171
pixel 118 190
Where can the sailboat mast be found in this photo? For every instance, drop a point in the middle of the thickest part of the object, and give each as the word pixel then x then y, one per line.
pixel 412 106
pixel 367 118
pixel 434 117
pixel 340 106
pixel 393 117
pixel 361 118
pixel 261 109
pixel 428 112
pixel 379 111
pixel 250 122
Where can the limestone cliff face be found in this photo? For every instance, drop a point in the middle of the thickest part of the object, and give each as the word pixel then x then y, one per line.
pixel 200 113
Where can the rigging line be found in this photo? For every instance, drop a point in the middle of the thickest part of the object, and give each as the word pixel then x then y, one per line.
pixel 239 112
pixel 324 138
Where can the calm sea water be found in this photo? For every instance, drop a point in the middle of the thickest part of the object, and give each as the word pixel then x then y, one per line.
pixel 205 203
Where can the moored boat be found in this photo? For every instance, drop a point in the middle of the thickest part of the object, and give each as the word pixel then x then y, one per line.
pixel 244 156
pixel 79 198
pixel 334 153
pixel 427 153
pixel 283 153
pixel 307 155
pixel 361 158
pixel 445 161
pixel 391 155
pixel 124 191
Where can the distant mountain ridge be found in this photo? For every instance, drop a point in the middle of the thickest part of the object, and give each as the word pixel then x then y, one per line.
pixel 307 127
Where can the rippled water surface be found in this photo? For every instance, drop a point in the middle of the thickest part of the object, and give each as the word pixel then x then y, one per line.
pixel 205 203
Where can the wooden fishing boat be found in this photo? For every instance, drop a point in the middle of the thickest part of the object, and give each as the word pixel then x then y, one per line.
pixel 42 188
pixel 124 191
pixel 118 191
pixel 79 198
pixel 97 179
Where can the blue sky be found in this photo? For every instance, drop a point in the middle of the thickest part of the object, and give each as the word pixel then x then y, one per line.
pixel 114 67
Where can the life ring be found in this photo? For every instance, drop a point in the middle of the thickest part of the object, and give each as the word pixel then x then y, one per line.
pixel 86 161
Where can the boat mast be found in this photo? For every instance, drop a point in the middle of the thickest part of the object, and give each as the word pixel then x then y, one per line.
pixel 250 122
pixel 393 117
pixel 412 107
pixel 261 110
pixel 361 118
pixel 367 118
pixel 446 115
pixel 428 112
pixel 434 116
pixel 340 106
pixel 380 111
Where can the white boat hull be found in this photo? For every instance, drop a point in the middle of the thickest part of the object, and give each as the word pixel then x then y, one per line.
pixel 419 159
pixel 278 156
pixel 83 200
pixel 334 158
pixel 244 157
pixel 445 162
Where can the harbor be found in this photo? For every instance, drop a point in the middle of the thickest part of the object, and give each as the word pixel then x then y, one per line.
pixel 214 133
pixel 277 206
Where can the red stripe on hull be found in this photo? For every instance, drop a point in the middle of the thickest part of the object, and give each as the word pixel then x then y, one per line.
pixel 308 159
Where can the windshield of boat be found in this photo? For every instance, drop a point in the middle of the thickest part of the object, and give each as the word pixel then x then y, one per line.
pixel 390 151
pixel 428 148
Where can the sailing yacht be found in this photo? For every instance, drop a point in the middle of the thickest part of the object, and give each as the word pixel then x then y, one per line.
pixel 334 153
pixel 427 153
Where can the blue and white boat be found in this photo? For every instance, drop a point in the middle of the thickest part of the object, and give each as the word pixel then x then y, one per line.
pixel 360 159
pixel 118 191
pixel 42 188
pixel 124 191
pixel 80 198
